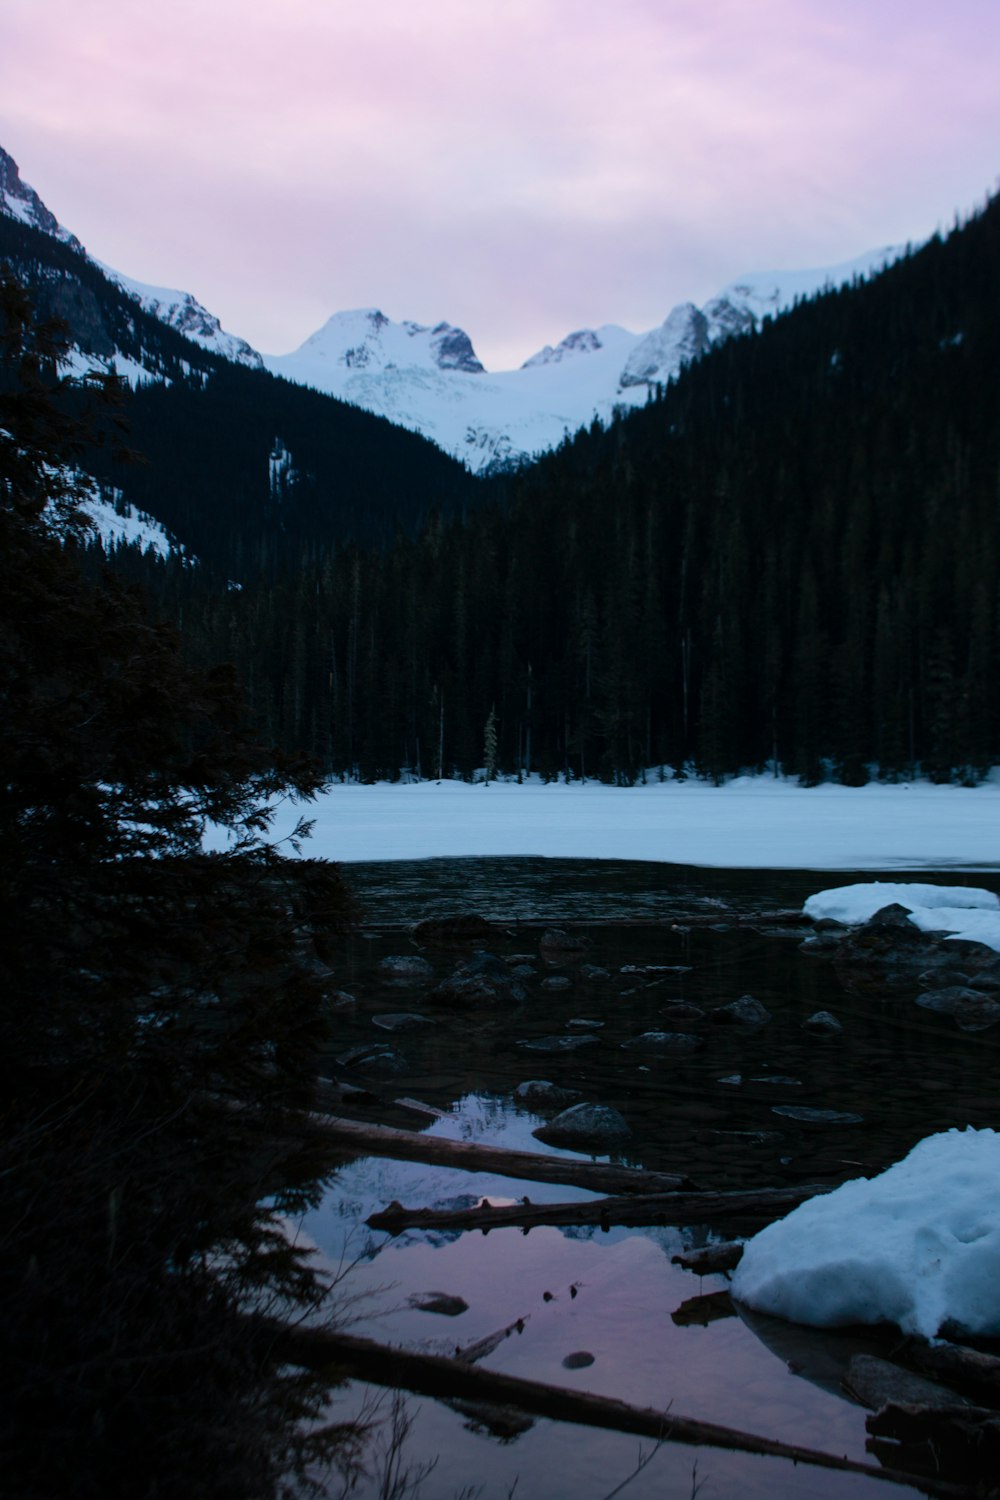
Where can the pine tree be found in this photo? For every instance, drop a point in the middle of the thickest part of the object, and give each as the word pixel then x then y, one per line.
pixel 159 1019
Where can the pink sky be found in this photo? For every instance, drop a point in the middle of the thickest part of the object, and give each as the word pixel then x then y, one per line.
pixel 519 167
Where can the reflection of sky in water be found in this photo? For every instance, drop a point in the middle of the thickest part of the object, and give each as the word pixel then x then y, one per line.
pixel 609 1294
pixel 900 1075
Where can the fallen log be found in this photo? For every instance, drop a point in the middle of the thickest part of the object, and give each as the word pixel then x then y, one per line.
pixel 346 1356
pixel 533 1166
pixel 963 1442
pixel 763 1205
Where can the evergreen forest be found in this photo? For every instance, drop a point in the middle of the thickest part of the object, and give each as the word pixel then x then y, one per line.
pixel 788 559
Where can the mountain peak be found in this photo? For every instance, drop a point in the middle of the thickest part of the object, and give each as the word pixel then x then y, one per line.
pixel 22 202
pixel 583 341
pixel 364 340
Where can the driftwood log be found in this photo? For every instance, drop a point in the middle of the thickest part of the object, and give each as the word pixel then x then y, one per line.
pixel 763 1205
pixel 342 1355
pixel 532 1166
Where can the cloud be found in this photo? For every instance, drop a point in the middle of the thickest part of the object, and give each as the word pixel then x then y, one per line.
pixel 504 163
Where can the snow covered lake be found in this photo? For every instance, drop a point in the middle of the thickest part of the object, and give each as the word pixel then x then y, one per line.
pixel 749 823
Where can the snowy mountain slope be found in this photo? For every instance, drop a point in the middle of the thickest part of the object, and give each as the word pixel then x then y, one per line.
pixel 431 381
pixel 178 309
pixel 184 312
pixel 428 379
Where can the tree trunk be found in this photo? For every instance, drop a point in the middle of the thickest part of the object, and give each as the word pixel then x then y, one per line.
pixel 534 1166
pixel 763 1206
pixel 347 1356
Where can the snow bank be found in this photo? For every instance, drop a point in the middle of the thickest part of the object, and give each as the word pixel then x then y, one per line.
pixel 915 1246
pixel 961 911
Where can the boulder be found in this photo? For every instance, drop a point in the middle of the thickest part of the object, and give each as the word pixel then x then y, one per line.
pixel 587 1125
pixel 556 982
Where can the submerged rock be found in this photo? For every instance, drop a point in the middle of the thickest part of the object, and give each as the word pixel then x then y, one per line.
pixel 539 1093
pixel 807 1116
pixel 444 1303
pixel 554 941
pixel 461 929
pixel 970 1009
pixel 556 982
pixel 682 1010
pixel 823 1023
pixel 404 968
pixel 746 1011
pixel 593 973
pixel 401 1020
pixel 374 1058
pixel 664 1041
pixel 585 1125
pixel 558 1043
pixel 876 1382
pixel 483 979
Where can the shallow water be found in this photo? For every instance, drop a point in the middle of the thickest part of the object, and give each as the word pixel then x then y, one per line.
pixel 710 1114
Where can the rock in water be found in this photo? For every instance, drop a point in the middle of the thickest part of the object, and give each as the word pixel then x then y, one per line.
pixel 405 968
pixel 538 1093
pixel 746 1011
pixel 664 1041
pixel 971 1009
pixel 585 1125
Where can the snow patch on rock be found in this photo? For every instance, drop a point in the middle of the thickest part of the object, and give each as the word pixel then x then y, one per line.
pixel 918 1246
pixel 962 911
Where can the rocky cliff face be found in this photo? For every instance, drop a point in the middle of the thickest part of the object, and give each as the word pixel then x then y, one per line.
pixel 22 202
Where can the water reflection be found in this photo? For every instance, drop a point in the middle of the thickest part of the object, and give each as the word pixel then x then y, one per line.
pixel 658 940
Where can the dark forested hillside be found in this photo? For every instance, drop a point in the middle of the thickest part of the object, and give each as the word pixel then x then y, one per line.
pixel 248 471
pixel 790 557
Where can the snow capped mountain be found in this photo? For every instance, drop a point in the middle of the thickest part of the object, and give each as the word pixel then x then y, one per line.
pixel 178 309
pixel 427 377
pixel 356 342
